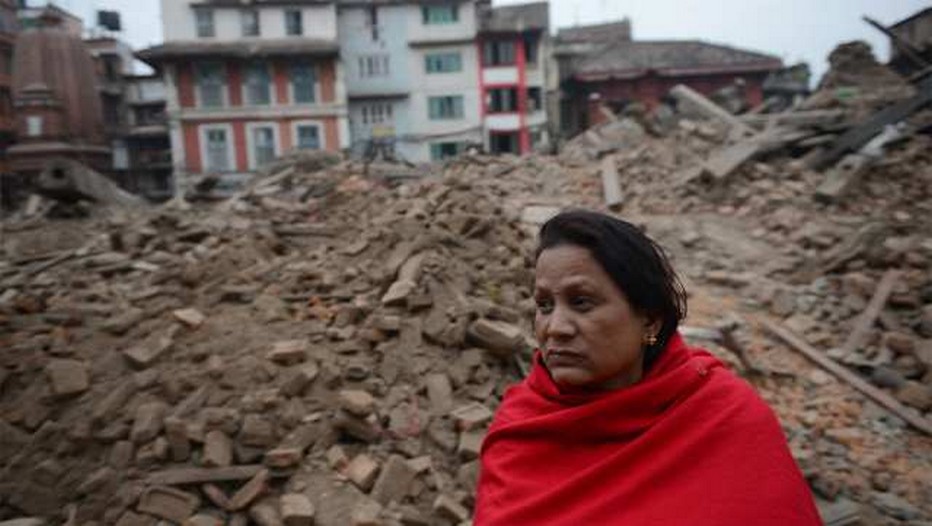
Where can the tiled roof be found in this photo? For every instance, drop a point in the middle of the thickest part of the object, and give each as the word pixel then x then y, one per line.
pixel 520 17
pixel 633 59
pixel 240 49
pixel 596 33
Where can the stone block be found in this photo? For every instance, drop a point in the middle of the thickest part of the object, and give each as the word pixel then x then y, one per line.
pixel 250 491
pixel 394 481
pixel 218 449
pixel 503 339
pixel 190 317
pixel 266 513
pixel 257 432
pixel 145 353
pixel 357 402
pixel 288 352
pixel 297 379
pixel 470 444
pixel 439 393
pixel 471 416
pixel 168 503
pixel 67 377
pixel 148 422
pixel 362 471
pixel 297 510
pixel 448 508
pixel 176 432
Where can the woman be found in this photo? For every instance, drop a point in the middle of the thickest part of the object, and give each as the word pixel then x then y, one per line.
pixel 619 422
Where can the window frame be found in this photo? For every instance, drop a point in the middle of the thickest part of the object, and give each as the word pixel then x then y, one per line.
pixel 437 59
pixel 321 136
pixel 430 14
pixel 203 131
pixel 494 109
pixel 492 53
pixel 288 13
pixel 251 160
pixel 457 106
pixel 202 30
pixel 244 20
pixel 315 86
pixel 223 85
pixel 248 83
pixel 437 154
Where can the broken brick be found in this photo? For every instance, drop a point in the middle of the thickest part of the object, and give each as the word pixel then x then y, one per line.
pixel 190 317
pixel 218 449
pixel 471 416
pixel 362 471
pixel 288 352
pixel 297 510
pixel 357 402
pixel 504 339
pixel 394 481
pixel 148 422
pixel 68 377
pixel 168 503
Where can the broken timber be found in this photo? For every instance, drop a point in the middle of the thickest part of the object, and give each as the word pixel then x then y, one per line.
pixel 708 108
pixel 839 179
pixel 180 476
pixel 852 379
pixel 867 318
pixel 611 187
pixel 858 136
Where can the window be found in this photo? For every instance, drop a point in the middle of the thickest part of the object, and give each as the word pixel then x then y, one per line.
pixel 443 62
pixel 204 19
pixel 498 53
pixel 294 23
pixel 263 145
pixel 376 113
pixel 534 102
pixel 303 79
pixel 258 85
pixel 446 107
pixel 250 21
pixel 444 150
pixel 308 137
pixel 373 66
pixel 503 143
pixel 530 51
pixel 439 14
pixel 34 125
pixel 502 100
pixel 218 150
pixel 211 84
pixel 374 22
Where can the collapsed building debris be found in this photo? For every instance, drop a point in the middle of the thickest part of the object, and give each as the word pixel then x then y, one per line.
pixel 328 346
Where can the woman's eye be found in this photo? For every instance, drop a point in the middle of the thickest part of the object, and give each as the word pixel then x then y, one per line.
pixel 544 306
pixel 582 303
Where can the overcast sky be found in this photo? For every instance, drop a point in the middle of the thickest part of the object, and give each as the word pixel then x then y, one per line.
pixel 794 30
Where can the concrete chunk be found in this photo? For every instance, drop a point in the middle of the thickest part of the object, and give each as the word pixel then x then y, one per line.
pixel 68 377
pixel 447 507
pixel 470 444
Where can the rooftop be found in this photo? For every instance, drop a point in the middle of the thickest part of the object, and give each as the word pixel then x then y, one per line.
pixel 520 17
pixel 239 49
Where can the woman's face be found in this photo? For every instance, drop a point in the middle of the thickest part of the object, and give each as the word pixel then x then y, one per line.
pixel 589 334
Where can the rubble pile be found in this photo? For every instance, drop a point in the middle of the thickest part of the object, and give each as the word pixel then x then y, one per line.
pixel 328 345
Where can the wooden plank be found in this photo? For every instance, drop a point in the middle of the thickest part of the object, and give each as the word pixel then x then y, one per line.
pixel 611 186
pixel 797 118
pixel 840 178
pixel 724 161
pixel 708 108
pixel 850 378
pixel 858 136
pixel 178 476
pixel 866 320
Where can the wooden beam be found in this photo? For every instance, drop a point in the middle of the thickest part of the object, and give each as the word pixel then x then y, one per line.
pixel 867 318
pixel 187 475
pixel 858 136
pixel 708 108
pixel 850 378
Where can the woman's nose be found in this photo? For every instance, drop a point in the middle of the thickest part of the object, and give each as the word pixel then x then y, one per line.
pixel 560 324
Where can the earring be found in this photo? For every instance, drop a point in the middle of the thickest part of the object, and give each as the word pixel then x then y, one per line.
pixel 651 340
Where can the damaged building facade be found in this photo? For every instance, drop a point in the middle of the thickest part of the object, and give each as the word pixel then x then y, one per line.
pixel 603 64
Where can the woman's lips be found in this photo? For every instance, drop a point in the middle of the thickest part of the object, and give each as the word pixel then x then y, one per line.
pixel 560 357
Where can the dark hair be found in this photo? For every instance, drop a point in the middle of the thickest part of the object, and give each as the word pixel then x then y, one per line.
pixel 635 263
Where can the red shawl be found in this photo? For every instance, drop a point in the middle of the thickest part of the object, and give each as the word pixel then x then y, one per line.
pixel 690 444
